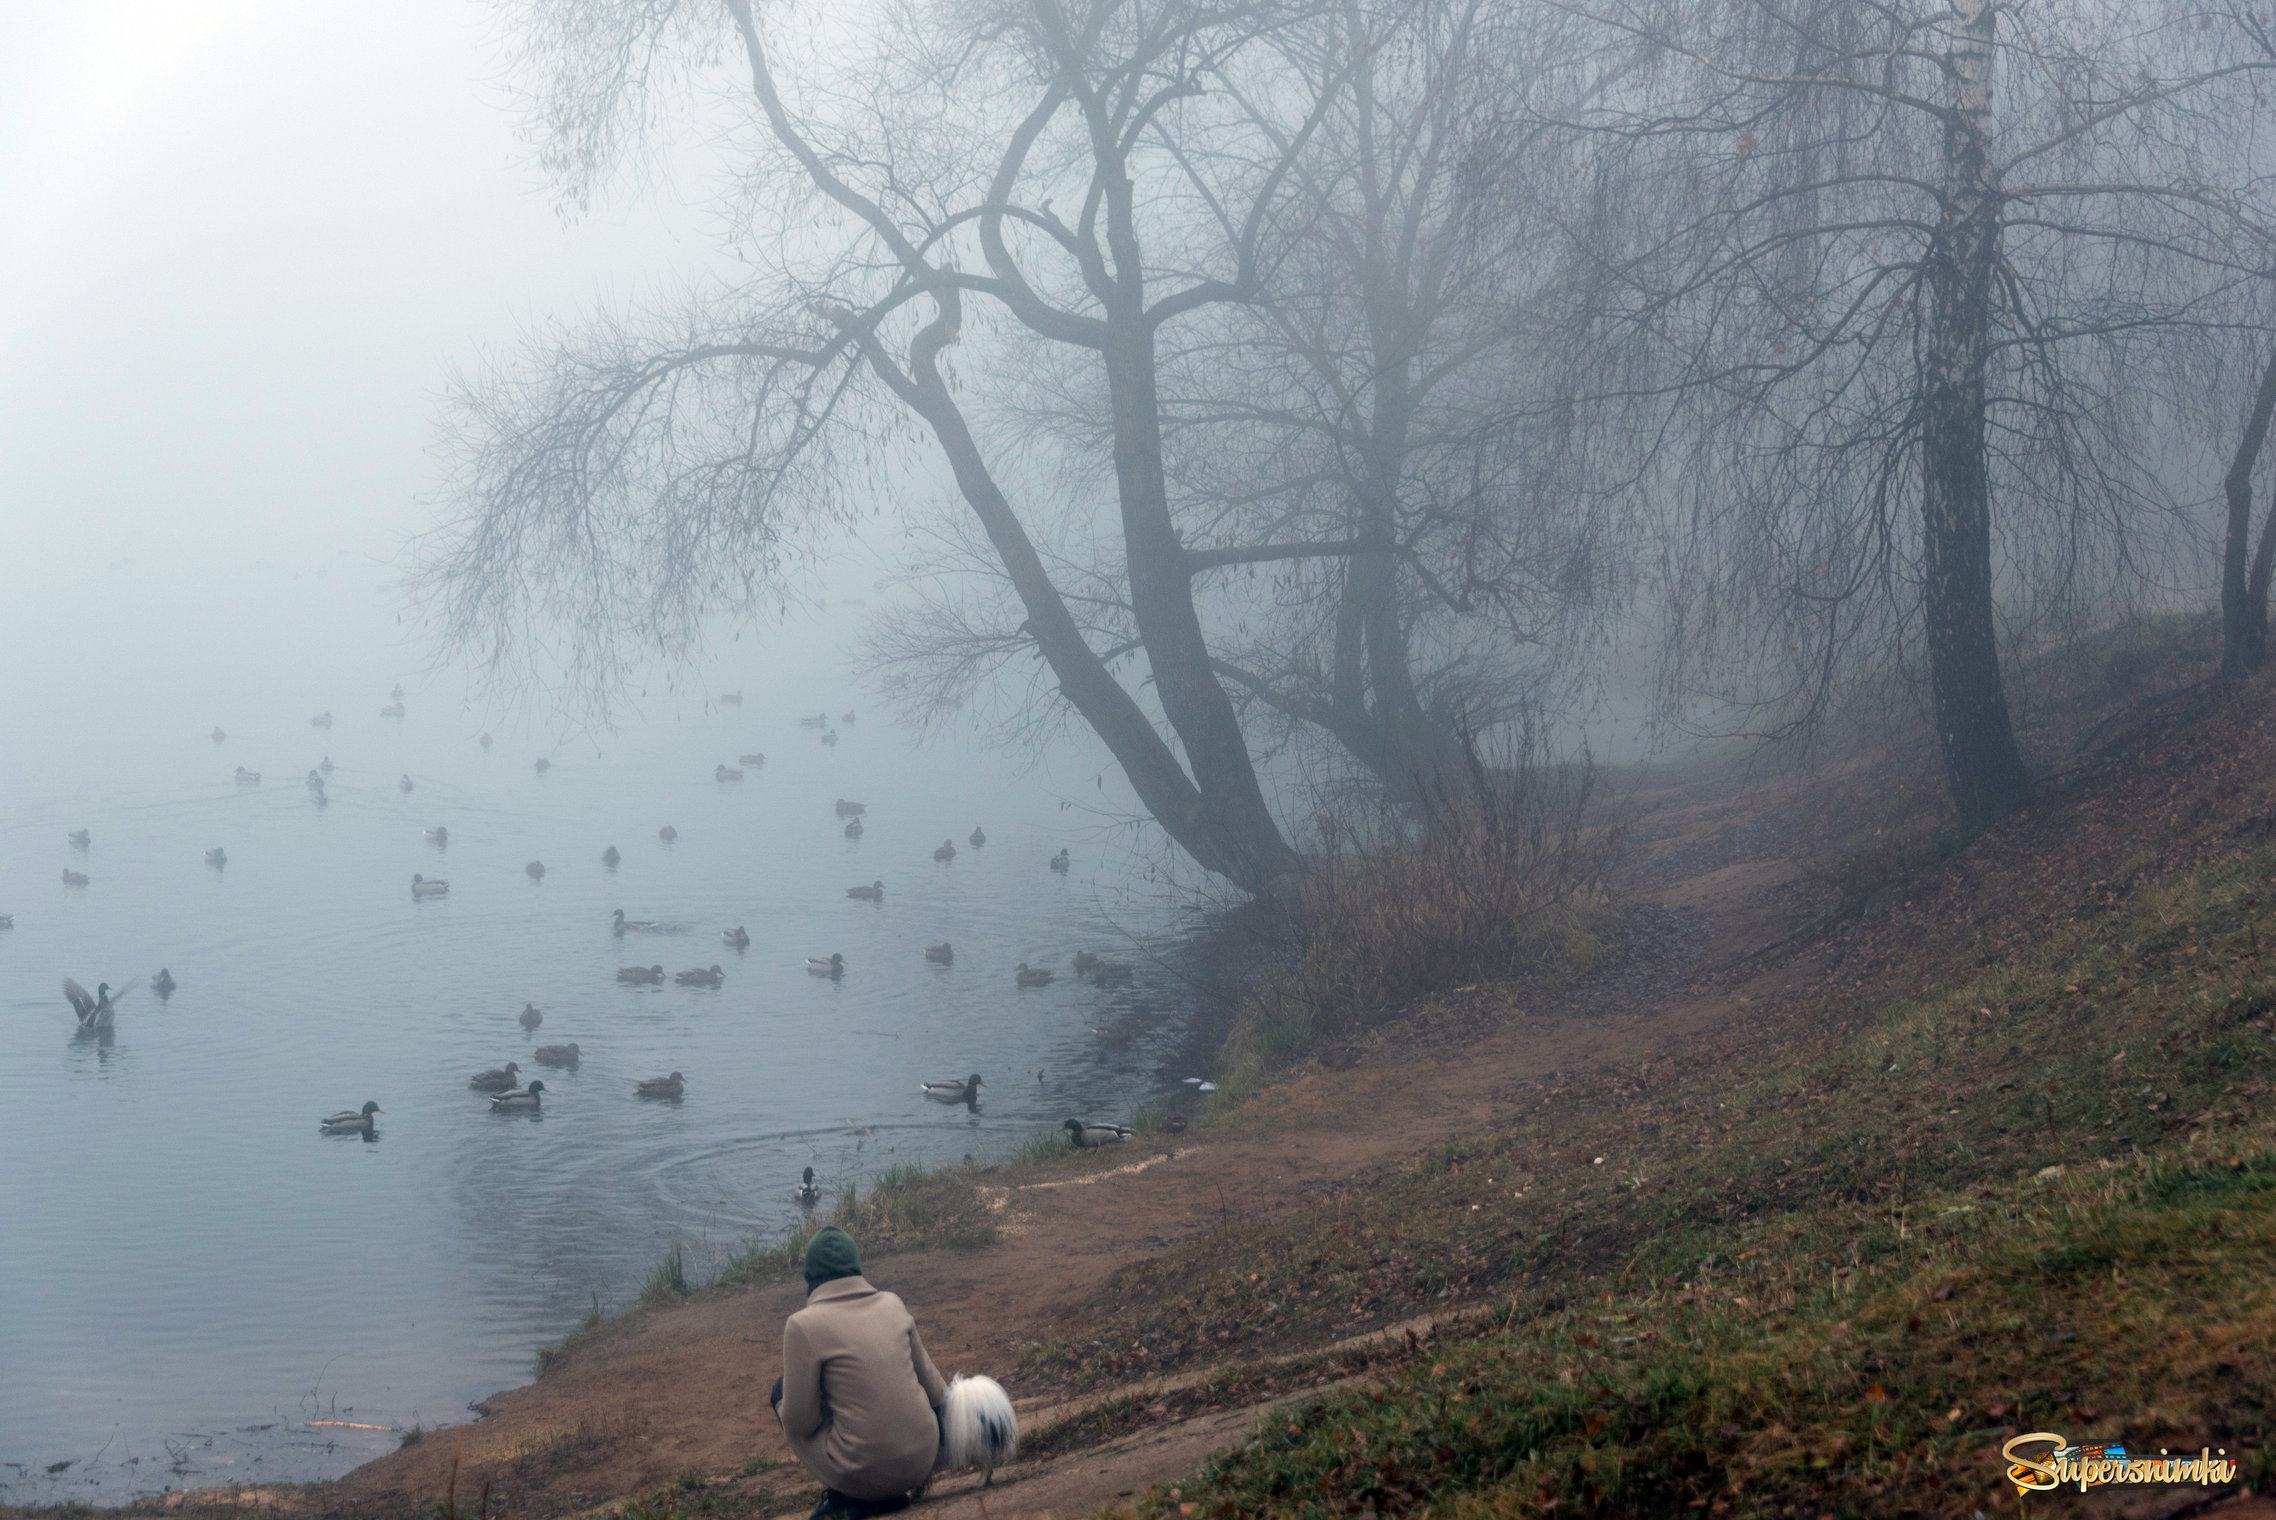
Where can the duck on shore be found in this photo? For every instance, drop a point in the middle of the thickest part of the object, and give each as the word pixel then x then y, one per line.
pixel 661 1087
pixel 953 1091
pixel 835 966
pixel 941 954
pixel 700 977
pixel 349 1121
pixel 1089 1136
pixel 496 1079
pixel 874 892
pixel 520 1098
pixel 640 976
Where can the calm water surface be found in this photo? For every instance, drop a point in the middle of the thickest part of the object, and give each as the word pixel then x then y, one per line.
pixel 189 1272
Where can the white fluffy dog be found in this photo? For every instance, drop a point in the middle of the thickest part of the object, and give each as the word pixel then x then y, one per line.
pixel 978 1427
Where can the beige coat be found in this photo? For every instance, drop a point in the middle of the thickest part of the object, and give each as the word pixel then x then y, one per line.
pixel 858 1391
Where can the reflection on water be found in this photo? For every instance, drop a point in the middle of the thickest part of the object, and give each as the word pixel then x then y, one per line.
pixel 190 1272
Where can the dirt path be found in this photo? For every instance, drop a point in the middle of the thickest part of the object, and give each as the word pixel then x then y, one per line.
pixel 684 1390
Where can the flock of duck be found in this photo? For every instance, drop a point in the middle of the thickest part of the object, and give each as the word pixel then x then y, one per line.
pixel 503 1086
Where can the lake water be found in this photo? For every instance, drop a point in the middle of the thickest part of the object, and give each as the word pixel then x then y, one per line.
pixel 189 1272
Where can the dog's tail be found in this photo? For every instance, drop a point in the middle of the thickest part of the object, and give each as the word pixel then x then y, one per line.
pixel 978 1426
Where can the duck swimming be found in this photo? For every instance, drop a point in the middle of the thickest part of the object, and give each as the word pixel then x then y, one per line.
pixel 661 1087
pixel 535 870
pixel 556 1055
pixel 640 976
pixel 751 759
pixel 315 779
pixel 392 710
pixel 830 738
pixel 519 1098
pixel 848 716
pixel 1060 861
pixel 851 809
pixel 1031 976
pixel 609 857
pixel 496 1079
pixel 163 983
pixel 632 925
pixel 439 836
pixel 1085 963
pixel 421 887
pixel 218 735
pixel 248 778
pixel 725 773
pixel 79 839
pixel 854 830
pixel 530 1016
pixel 484 741
pixel 325 765
pixel 834 966
pixel 731 698
pixel 1112 974
pixel 543 765
pixel 405 783
pixel 940 954
pixel 321 720
pixel 700 977
pixel 1089 1136
pixel 349 1121
pixel 667 833
pixel 737 938
pixel 217 857
pixel 806 1194
pixel 73 878
pixel 874 892
pixel 947 850
pixel 979 837
pixel 953 1091
pixel 820 720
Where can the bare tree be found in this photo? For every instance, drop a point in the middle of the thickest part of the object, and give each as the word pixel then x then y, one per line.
pixel 1888 265
pixel 632 480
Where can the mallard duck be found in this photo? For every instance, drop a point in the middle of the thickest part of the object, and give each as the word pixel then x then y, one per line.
pixel 530 1016
pixel 484 741
pixel 392 710
pixel 737 938
pixel 163 983
pixel 217 857
pixel 661 1087
pixel 1089 1135
pixel 834 966
pixel 731 698
pixel 535 870
pixel 218 735
pixel 947 850
pixel 847 716
pixel 315 779
pixel 321 720
pixel 496 1079
pixel 519 1098
pixel 820 720
pixel 751 759
pixel 854 830
pixel 806 1194
pixel 830 738
pixel 421 887
pixel 609 857
pixel 979 837
pixel 700 977
pixel 325 765
pixel 940 954
pixel 543 765
pixel 439 835
pixel 248 778
pixel 1112 974
pixel 405 784
pixel 1031 976
pixel 73 878
pixel 640 976
pixel 556 1055
pixel 725 773
pixel 350 1122
pixel 632 925
pixel 79 839
pixel 851 809
pixel 953 1091
pixel 94 1012
pixel 1060 862
pixel 1085 963
pixel 874 892
pixel 667 833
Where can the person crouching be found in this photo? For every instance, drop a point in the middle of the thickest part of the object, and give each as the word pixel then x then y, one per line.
pixel 858 1398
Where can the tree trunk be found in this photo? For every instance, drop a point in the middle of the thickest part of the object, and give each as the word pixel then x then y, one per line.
pixel 1982 763
pixel 2244 612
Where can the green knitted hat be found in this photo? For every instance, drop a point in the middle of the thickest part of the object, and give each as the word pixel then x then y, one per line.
pixel 831 1255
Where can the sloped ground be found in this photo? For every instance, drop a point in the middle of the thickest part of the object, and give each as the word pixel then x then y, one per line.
pixel 1713 1231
